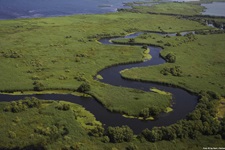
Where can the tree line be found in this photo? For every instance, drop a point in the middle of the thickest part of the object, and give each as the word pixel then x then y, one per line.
pixel 202 121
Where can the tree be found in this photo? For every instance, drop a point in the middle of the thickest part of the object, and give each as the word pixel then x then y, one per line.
pixel 154 135
pixel 168 133
pixel 120 134
pixel 84 87
pixel 179 130
pixel 97 131
pixel 144 113
pixel 195 115
pixel 153 111
pixel 63 107
pixel 171 58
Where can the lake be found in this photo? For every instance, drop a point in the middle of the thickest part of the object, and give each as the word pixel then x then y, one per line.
pixel 12 9
pixel 214 9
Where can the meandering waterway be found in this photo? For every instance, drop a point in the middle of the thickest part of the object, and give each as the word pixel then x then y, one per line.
pixel 183 102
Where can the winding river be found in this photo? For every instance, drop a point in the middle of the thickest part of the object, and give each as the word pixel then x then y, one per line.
pixel 183 102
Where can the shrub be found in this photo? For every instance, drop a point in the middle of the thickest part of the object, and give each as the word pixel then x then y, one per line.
pixel 105 139
pixel 120 134
pixel 97 131
pixel 178 34
pixel 84 87
pixel 12 54
pixel 154 135
pixel 144 113
pixel 160 41
pixel 145 46
pixel 200 121
pixel 175 71
pixel 213 95
pixel 168 133
pixel 63 107
pixel 171 58
pixel 153 111
pixel 22 105
pixel 38 86
pixel 132 146
pixel 12 135
pixel 131 40
pixel 80 78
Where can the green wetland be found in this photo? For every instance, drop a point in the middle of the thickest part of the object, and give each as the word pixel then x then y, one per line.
pixel 64 55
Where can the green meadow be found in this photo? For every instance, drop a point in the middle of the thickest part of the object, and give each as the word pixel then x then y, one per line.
pixel 199 57
pixel 63 52
pixel 63 55
pixel 39 124
pixel 169 8
pixel 34 123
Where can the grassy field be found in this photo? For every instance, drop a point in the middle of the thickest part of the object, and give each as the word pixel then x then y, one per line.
pixel 45 125
pixel 200 58
pixel 61 53
pixel 129 101
pixel 63 125
pixel 46 55
pixel 169 8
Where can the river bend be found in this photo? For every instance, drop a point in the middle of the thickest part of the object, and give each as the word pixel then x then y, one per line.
pixel 183 102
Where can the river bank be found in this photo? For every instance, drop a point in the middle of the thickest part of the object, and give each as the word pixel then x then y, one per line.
pixel 62 53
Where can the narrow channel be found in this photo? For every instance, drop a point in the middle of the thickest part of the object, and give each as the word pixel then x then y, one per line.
pixel 183 102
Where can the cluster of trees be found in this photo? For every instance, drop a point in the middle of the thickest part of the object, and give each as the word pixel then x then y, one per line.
pixel 200 122
pixel 84 87
pixel 119 134
pixel 98 131
pixel 63 107
pixel 54 131
pixel 171 58
pixel 217 24
pixel 175 71
pixel 21 105
pixel 151 111
pixel 113 134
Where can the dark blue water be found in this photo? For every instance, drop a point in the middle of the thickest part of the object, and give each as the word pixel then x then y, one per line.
pixel 214 9
pixel 183 102
pixel 11 9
